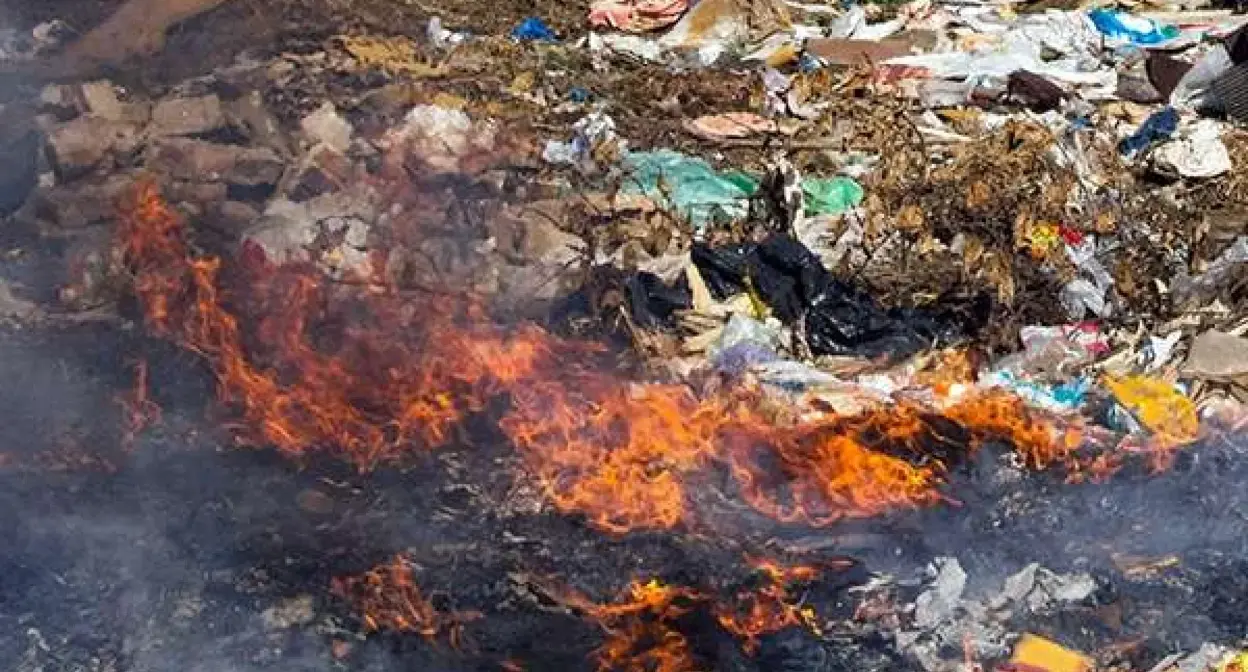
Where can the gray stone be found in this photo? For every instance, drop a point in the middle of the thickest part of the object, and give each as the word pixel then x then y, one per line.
pixel 80 145
pixel 187 116
pixel 326 126
pixel 249 115
pixel 202 161
pixel 81 204
pixel 100 100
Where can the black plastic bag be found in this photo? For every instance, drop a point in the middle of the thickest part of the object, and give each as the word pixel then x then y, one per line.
pixel 836 318
pixel 652 302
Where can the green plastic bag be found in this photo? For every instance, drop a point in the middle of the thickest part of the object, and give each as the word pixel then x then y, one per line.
pixel 693 190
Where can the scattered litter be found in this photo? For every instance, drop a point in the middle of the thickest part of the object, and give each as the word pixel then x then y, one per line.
pixel 1159 407
pixel 1134 29
pixel 636 16
pixel 533 29
pixel 730 125
pixel 1037 653
pixel 1197 153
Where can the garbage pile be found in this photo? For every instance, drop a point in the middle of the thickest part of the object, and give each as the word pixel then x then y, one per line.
pixel 871 204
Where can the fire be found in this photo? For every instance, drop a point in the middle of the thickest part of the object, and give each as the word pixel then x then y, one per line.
pixel 643 626
pixel 387 598
pixel 370 371
pixel 768 607
pixel 399 374
pixel 641 630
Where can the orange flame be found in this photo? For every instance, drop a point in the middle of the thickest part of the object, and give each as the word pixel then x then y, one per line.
pixel 370 371
pixel 770 607
pixel 388 599
pixel 640 628
pixel 643 625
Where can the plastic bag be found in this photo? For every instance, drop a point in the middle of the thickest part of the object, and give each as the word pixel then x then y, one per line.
pixel 688 186
pixel 1198 153
pixel 1086 293
pixel 1206 285
pixel 1135 29
pixel 1158 406
pixel 533 29
pixel 837 319
pixel 1160 126
pixel 833 196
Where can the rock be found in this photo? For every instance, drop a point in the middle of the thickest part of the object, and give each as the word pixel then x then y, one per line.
pixel 187 116
pixel 289 613
pixel 234 217
pixel 249 115
pixel 82 144
pixel 331 231
pixel 81 204
pixel 202 161
pixel 322 170
pixel 100 100
pixel 95 273
pixel 326 126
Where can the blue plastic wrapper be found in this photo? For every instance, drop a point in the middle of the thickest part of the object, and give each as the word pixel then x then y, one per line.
pixel 534 29
pixel 1138 30
pixel 1160 126
pixel 578 94
pixel 1064 398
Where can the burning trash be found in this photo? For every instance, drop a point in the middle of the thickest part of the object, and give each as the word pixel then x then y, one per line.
pixel 770 336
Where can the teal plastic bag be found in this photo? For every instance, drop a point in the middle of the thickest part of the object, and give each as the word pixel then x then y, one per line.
pixel 690 187
pixel 693 190
pixel 833 196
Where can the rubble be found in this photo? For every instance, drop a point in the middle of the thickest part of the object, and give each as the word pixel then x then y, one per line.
pixel 180 116
pixel 80 146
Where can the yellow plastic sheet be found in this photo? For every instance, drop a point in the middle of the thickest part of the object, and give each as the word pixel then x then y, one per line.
pixel 1039 653
pixel 1163 410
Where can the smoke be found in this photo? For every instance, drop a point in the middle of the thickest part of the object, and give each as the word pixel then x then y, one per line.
pixel 177 556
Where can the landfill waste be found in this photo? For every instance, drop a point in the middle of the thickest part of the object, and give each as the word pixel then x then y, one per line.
pixel 1159 407
pixel 1088 292
pixel 1198 152
pixel 1134 29
pixel 730 125
pixel 638 16
pixel 1160 126
pixel 1197 289
pixel 689 187
pixel 1033 652
pixel 946 619
pixel 840 214
pixel 831 196
pixel 834 318
pixel 533 29
pixel 594 140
